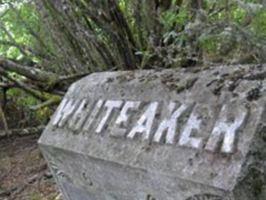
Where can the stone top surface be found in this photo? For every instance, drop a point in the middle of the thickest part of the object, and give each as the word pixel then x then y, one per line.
pixel 196 125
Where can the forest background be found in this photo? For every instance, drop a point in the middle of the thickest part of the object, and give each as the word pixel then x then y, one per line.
pixel 46 45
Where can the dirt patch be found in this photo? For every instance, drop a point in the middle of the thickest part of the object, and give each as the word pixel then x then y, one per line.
pixel 24 174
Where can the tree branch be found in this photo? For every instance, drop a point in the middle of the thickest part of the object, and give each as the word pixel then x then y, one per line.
pixel 25 48
pixel 29 72
pixel 34 92
pixel 7 85
pixel 22 131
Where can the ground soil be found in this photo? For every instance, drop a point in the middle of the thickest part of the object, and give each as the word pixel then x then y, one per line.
pixel 24 174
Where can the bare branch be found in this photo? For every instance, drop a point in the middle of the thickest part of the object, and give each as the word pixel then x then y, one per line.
pixel 72 77
pixel 3 119
pixel 44 96
pixel 22 131
pixel 7 85
pixel 29 72
pixel 50 102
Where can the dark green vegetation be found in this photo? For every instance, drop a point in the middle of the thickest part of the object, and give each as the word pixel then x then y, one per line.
pixel 45 45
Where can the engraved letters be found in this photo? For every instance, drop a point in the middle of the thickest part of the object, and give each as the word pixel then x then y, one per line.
pixel 144 124
pixel 121 123
pixel 110 106
pixel 130 119
pixel 169 125
pixel 193 124
pixel 226 129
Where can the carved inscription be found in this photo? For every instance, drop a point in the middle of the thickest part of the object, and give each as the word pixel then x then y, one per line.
pixel 177 124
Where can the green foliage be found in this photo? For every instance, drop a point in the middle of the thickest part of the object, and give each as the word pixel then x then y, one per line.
pixel 16 23
pixel 209 43
pixel 173 18
pixel 259 24
pixel 23 103
pixel 19 22
pixel 22 35
pixel 238 15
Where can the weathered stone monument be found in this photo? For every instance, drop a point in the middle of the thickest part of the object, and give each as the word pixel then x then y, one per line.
pixel 187 134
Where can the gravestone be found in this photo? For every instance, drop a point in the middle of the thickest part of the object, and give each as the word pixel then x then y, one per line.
pixel 187 134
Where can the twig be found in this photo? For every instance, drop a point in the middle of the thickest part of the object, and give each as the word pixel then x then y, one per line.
pixel 3 118
pixel 7 85
pixel 22 132
pixel 72 77
pixel 50 102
